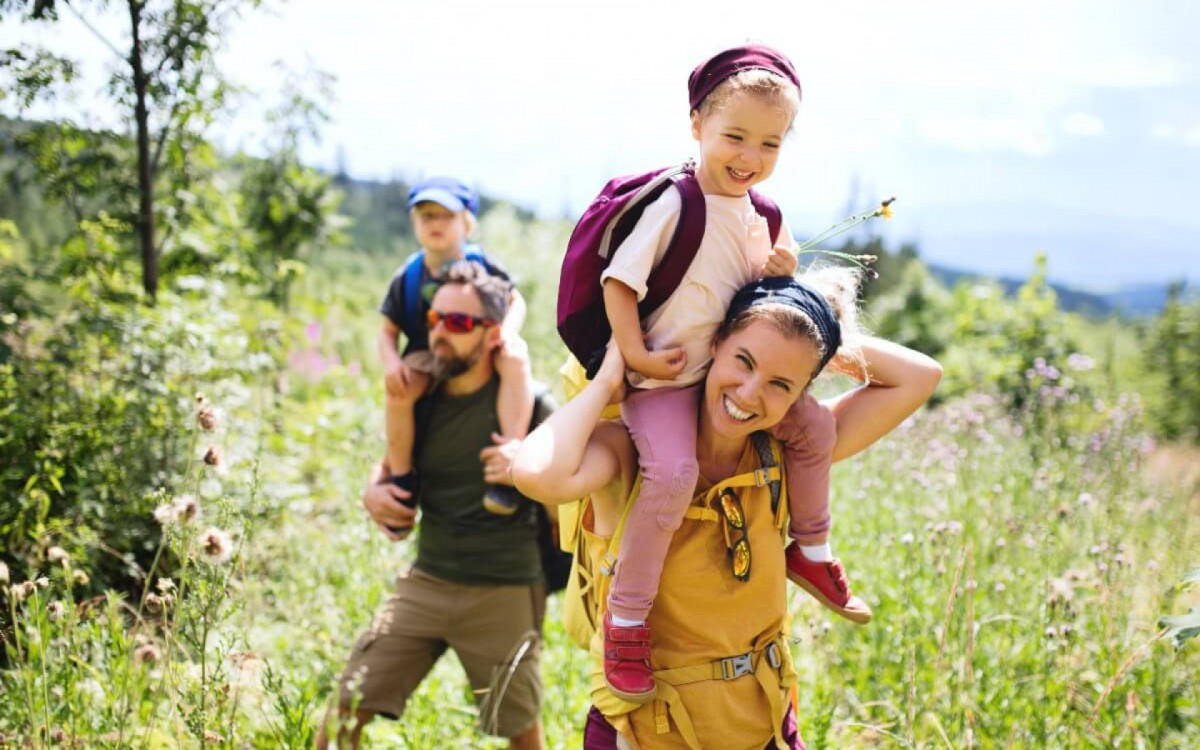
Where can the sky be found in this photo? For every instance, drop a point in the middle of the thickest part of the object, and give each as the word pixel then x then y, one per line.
pixel 1002 128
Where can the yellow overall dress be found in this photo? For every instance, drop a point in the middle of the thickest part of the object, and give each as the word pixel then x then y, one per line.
pixel 719 648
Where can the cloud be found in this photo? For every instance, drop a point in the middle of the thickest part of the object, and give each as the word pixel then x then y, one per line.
pixel 1024 135
pixel 1081 123
pixel 1184 134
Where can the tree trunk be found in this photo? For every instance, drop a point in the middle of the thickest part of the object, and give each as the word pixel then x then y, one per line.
pixel 145 220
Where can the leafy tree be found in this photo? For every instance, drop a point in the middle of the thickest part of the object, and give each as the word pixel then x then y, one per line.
pixel 916 311
pixel 287 207
pixel 1172 350
pixel 169 89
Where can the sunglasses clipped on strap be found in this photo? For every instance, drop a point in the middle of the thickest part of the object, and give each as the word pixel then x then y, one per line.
pixel 456 322
pixel 737 541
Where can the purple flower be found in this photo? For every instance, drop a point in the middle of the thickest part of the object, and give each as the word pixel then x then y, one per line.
pixel 1080 362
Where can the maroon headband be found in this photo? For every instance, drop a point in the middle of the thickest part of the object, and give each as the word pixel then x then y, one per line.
pixel 711 72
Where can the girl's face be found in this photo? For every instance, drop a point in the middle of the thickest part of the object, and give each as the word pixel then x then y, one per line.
pixel 439 230
pixel 739 143
pixel 756 375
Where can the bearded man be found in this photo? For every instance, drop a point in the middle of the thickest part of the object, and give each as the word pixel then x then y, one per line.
pixel 477 583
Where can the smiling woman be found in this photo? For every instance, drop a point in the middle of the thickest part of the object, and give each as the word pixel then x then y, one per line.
pixel 719 658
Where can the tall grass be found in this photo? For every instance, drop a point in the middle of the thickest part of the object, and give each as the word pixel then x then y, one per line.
pixel 1017 562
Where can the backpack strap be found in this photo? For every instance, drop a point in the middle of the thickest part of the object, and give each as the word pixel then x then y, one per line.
pixel 768 459
pixel 412 273
pixel 685 242
pixel 412 292
pixel 769 210
pixel 475 252
pixel 609 563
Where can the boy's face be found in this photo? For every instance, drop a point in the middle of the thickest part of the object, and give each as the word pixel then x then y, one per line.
pixel 439 230
pixel 739 143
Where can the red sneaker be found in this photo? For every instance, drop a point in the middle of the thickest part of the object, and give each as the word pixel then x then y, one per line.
pixel 627 662
pixel 827 583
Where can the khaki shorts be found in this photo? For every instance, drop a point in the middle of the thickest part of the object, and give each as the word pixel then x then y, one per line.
pixel 489 628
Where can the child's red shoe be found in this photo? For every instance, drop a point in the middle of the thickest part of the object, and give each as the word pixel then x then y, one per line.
pixel 627 662
pixel 827 583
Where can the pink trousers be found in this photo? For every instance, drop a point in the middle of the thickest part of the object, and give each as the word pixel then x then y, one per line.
pixel 662 423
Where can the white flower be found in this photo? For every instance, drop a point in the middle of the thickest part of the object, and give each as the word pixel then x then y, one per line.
pixel 3 573
pixel 147 653
pixel 58 555
pixel 181 510
pixel 216 546
pixel 166 514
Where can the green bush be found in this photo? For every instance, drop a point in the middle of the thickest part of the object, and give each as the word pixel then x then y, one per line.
pixel 98 395
pixel 1172 353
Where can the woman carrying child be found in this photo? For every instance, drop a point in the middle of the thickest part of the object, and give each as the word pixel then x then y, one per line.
pixel 720 655
pixel 743 104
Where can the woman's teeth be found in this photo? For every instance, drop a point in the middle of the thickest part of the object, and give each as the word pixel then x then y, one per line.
pixel 733 411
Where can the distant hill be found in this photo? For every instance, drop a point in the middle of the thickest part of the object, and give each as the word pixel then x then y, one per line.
pixel 1134 301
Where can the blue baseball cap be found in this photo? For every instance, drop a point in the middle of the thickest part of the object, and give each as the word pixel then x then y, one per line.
pixel 445 191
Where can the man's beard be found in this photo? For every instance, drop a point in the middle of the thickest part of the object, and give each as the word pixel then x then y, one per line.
pixel 450 365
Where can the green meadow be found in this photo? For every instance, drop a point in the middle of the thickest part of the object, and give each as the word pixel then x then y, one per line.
pixel 1021 540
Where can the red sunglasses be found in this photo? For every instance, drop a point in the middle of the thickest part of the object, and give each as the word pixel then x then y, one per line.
pixel 456 322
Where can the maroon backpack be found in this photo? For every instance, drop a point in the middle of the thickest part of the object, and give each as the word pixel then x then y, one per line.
pixel 606 223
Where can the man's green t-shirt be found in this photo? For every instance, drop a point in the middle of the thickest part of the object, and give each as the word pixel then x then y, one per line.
pixel 459 540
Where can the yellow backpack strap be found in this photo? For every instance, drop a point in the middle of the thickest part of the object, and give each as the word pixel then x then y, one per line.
pixel 768 476
pixel 768 457
pixel 609 563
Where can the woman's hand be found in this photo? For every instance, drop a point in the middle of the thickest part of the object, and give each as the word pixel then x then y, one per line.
pixel 612 374
pixel 497 459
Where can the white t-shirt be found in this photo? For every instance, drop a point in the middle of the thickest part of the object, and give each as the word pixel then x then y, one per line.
pixel 735 246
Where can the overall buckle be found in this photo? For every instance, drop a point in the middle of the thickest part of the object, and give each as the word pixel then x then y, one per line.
pixel 773 657
pixel 733 667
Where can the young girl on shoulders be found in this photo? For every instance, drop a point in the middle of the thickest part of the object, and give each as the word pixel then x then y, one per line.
pixel 743 104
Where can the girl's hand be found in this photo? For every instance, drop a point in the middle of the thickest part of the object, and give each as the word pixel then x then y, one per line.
pixel 663 364
pixel 783 262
